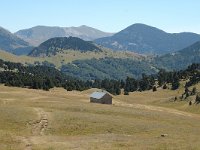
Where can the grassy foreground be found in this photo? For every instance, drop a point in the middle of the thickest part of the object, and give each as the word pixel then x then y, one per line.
pixel 60 120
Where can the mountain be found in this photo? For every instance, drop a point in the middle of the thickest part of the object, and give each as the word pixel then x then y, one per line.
pixel 59 44
pixel 180 59
pixel 12 44
pixel 37 35
pixel 145 39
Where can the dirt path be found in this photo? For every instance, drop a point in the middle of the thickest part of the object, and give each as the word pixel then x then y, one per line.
pixel 40 125
pixel 157 108
pixel 27 142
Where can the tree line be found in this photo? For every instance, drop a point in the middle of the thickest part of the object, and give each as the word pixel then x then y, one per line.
pixel 44 77
pixel 164 79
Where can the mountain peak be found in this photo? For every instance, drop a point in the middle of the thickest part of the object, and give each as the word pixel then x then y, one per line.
pixel 84 26
pixel 139 27
pixel 145 39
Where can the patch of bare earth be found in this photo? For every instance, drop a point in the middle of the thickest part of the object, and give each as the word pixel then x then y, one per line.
pixel 27 142
pixel 37 127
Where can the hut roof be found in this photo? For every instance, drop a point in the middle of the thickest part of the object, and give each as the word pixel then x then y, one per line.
pixel 98 95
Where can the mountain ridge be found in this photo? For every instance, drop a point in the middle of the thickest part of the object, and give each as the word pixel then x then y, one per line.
pixel 13 44
pixel 180 59
pixel 38 34
pixel 91 65
pixel 146 39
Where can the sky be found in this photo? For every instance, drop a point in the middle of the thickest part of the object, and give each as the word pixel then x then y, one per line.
pixel 106 15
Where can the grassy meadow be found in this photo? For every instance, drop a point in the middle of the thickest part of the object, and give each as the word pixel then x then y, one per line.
pixel 68 56
pixel 61 120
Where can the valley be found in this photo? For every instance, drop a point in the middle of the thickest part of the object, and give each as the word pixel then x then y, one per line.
pixel 99 75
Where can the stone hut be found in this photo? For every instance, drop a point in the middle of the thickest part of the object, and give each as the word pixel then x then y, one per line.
pixel 101 97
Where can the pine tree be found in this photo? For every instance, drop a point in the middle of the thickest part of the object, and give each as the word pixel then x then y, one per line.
pixel 175 83
pixel 194 91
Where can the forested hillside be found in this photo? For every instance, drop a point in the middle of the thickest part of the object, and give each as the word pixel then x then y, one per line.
pixel 43 77
pixel 111 68
pixel 55 45
pixel 180 59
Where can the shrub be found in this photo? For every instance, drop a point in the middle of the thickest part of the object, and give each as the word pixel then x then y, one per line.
pixel 154 88
pixel 126 93
pixel 164 86
pixel 194 91
pixel 197 99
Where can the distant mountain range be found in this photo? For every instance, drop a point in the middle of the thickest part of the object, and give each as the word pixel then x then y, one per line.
pixel 180 59
pixel 145 39
pixel 12 44
pixel 59 44
pixel 39 34
pixel 76 57
pixel 108 64
pixel 139 38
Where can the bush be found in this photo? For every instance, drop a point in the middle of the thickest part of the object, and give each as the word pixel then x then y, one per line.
pixel 175 98
pixel 164 86
pixel 154 88
pixel 197 99
pixel 194 91
pixel 126 93
pixel 175 84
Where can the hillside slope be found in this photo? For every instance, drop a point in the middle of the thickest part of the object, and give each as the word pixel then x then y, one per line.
pixel 12 44
pixel 111 68
pixel 180 59
pixel 55 45
pixel 39 34
pixel 145 39
pixel 67 57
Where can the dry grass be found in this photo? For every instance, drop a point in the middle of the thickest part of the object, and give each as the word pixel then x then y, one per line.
pixel 133 122
pixel 68 56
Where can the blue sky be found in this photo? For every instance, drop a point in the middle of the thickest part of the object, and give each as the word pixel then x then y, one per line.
pixel 106 15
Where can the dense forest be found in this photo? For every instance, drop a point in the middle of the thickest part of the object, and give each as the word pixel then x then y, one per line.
pixel 44 77
pixel 110 68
